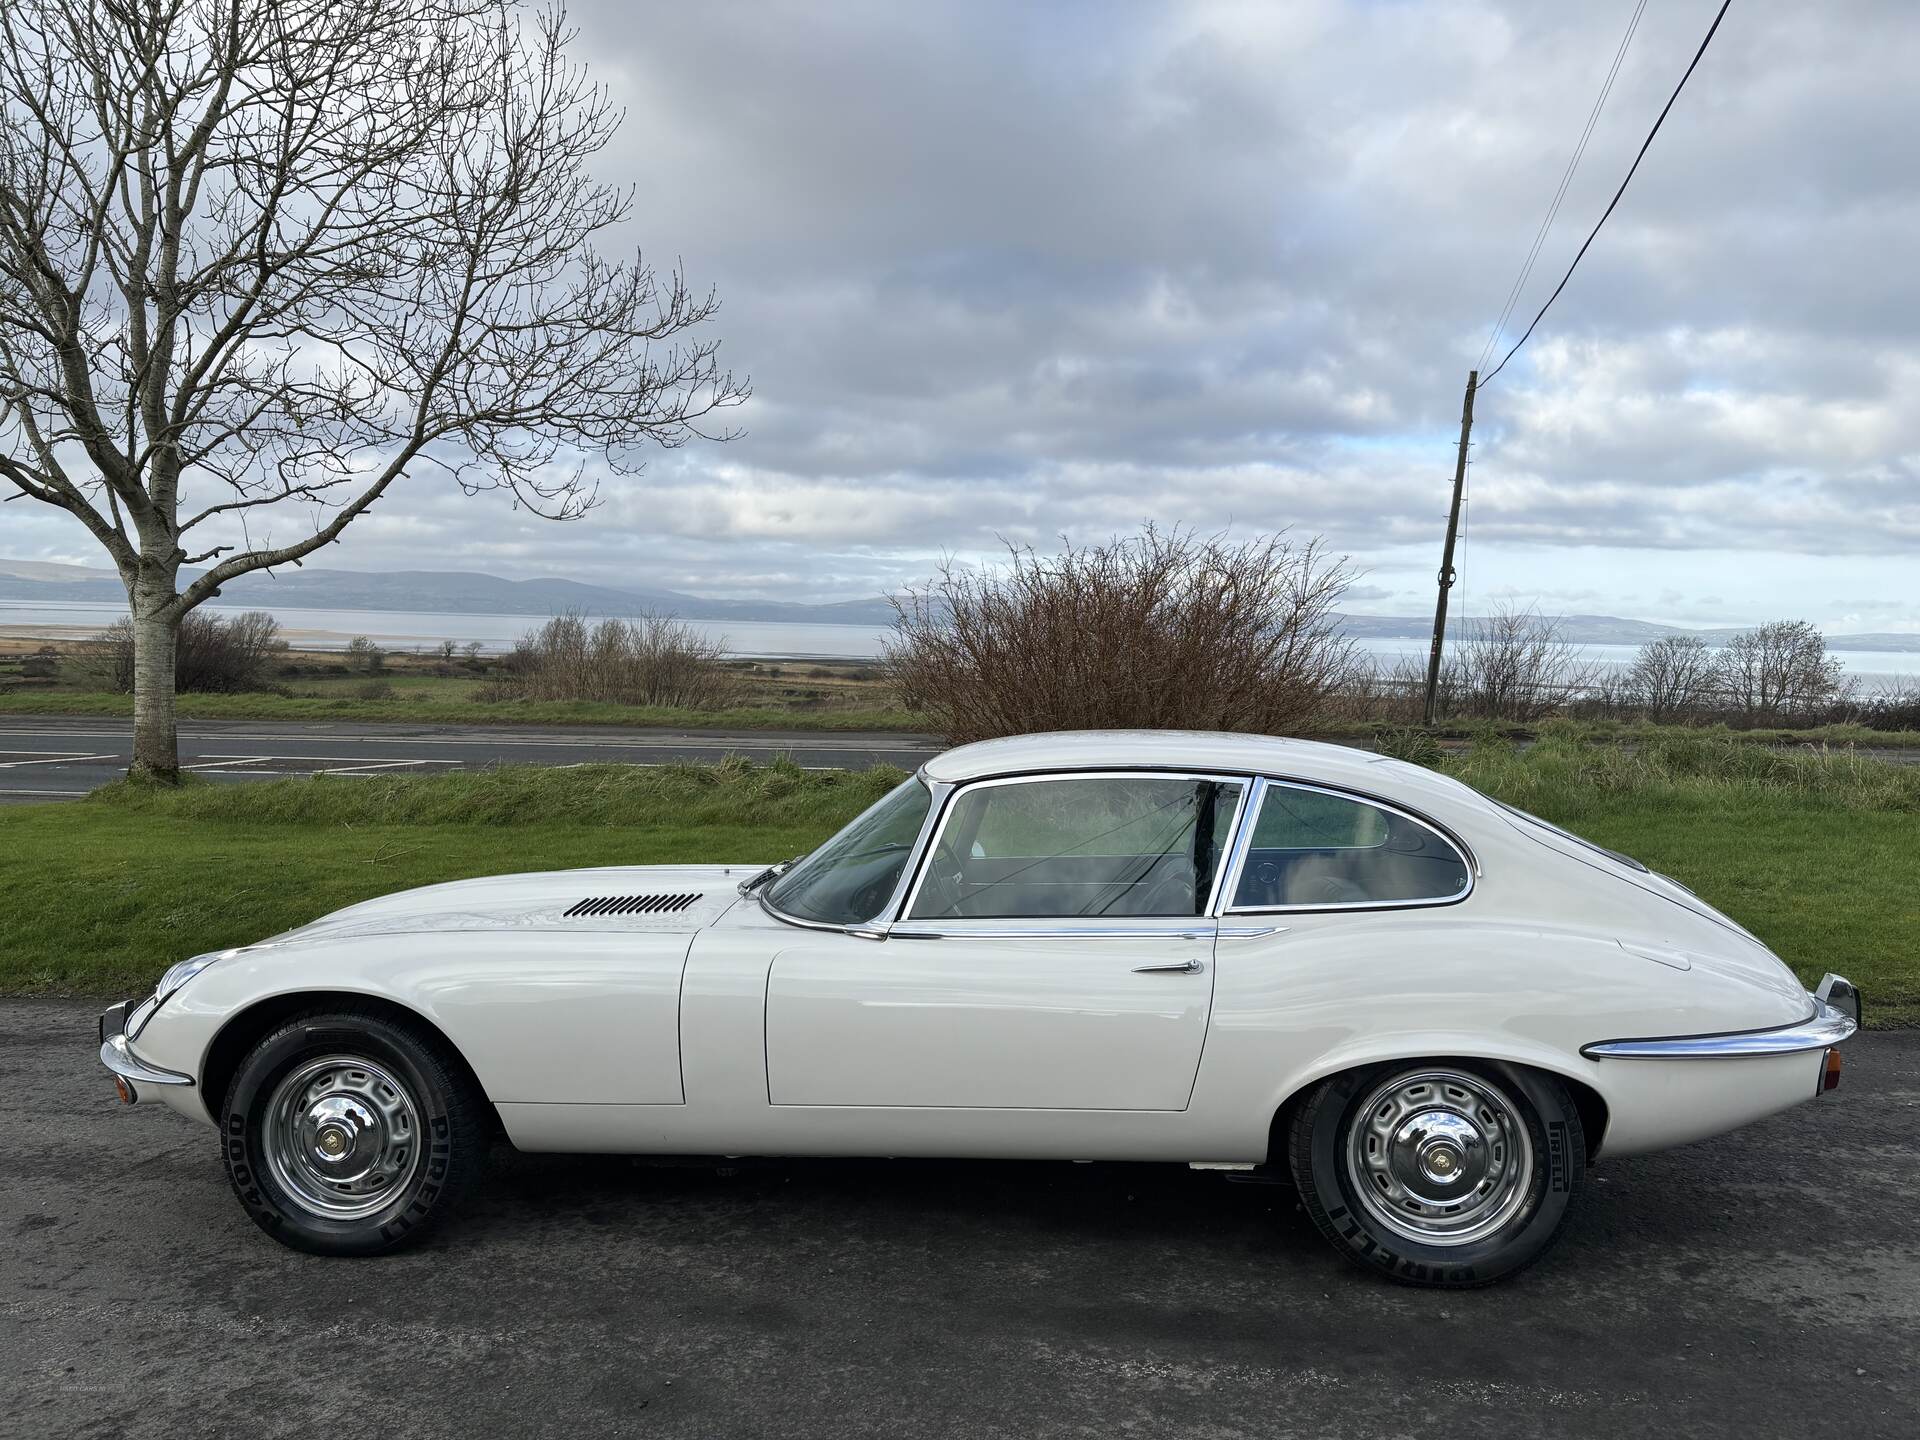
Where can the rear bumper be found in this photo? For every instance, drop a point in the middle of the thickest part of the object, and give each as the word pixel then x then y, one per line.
pixel 118 1056
pixel 1826 1027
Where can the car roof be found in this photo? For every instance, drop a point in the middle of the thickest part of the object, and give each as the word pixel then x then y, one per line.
pixel 1341 766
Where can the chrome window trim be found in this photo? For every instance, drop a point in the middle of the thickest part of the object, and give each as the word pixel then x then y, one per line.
pixel 905 908
pixel 1251 820
pixel 937 792
pixel 1200 928
pixel 1823 1028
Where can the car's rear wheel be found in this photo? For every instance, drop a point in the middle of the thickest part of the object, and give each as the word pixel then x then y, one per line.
pixel 1441 1172
pixel 351 1133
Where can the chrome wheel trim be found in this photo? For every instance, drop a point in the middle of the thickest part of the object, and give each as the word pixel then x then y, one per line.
pixel 342 1137
pixel 1440 1156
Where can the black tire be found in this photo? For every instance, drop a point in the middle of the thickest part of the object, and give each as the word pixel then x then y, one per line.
pixel 1331 1164
pixel 400 1102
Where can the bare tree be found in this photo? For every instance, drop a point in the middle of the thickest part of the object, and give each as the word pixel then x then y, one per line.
pixel 1161 630
pixel 1513 665
pixel 261 258
pixel 1672 677
pixel 1778 669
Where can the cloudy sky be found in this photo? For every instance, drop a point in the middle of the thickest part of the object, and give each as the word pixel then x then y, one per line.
pixel 1028 269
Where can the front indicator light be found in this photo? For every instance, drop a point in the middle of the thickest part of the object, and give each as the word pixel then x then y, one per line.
pixel 1830 1073
pixel 125 1090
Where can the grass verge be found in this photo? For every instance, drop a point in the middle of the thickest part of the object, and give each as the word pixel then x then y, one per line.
pixel 102 894
pixel 1815 852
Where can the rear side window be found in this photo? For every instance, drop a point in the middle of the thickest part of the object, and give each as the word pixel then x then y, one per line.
pixel 1315 849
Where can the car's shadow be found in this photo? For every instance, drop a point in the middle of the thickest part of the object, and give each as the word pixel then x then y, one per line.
pixel 1673 1203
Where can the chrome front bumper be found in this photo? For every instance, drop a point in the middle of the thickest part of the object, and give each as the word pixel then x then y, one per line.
pixel 117 1055
pixel 1827 1026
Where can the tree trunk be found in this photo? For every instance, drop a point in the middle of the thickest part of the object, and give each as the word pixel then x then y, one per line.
pixel 156 753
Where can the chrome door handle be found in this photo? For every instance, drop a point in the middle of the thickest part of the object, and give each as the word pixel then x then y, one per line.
pixel 1172 967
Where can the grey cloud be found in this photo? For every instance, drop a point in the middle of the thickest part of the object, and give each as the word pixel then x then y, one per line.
pixel 1007 269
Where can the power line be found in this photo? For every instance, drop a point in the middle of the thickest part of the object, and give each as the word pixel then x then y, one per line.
pixel 1644 147
pixel 1566 179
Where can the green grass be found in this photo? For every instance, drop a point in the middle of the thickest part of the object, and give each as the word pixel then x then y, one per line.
pixel 1817 852
pixel 133 878
pixel 424 701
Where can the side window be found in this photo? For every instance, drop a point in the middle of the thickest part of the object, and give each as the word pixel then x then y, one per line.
pixel 1090 847
pixel 1314 848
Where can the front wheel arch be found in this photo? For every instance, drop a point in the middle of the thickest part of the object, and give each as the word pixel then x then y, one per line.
pixel 1592 1106
pixel 243 1030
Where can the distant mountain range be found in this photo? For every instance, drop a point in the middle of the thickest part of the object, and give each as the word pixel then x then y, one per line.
pixel 440 592
pixel 463 592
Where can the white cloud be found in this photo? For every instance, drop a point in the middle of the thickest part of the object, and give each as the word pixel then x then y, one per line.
pixel 1003 269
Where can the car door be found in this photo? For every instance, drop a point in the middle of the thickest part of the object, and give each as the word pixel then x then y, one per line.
pixel 1055 952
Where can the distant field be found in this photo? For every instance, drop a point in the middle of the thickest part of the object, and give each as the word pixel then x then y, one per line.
pixel 1816 854
pixel 416 689
pixel 809 695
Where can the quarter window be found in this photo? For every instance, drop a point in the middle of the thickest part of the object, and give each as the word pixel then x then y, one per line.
pixel 1087 847
pixel 1315 849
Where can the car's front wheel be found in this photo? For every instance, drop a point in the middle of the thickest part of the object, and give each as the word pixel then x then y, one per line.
pixel 1442 1172
pixel 350 1133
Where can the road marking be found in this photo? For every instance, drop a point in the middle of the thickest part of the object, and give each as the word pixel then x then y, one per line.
pixel 507 740
pixel 23 750
pixel 377 765
pixel 69 759
pixel 226 760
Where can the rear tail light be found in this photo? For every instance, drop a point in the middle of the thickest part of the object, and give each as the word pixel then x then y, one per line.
pixel 1830 1073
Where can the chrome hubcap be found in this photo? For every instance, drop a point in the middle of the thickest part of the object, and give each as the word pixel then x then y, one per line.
pixel 342 1136
pixel 1440 1156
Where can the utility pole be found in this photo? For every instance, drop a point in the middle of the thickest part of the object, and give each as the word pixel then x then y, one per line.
pixel 1446 557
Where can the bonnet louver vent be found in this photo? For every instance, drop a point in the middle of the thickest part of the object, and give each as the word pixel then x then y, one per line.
pixel 633 905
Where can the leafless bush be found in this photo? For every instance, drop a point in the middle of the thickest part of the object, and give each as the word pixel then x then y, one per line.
pixel 1159 630
pixel 1778 671
pixel 217 653
pixel 1673 678
pixel 654 660
pixel 1894 705
pixel 1513 665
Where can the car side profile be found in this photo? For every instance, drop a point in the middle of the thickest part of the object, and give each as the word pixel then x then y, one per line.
pixel 1428 1010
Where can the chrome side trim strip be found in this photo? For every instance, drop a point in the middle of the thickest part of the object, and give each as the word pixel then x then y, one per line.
pixel 1824 1027
pixel 921 930
pixel 115 1055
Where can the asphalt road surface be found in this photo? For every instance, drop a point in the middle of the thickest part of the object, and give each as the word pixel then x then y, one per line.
pixel 60 758
pixel 1763 1284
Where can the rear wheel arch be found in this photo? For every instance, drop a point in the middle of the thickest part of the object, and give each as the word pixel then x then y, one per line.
pixel 1589 1102
pixel 243 1030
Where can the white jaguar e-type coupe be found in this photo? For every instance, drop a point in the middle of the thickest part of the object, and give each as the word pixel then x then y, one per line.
pixel 1227 951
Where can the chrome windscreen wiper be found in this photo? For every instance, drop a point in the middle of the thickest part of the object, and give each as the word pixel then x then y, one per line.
pixel 772 872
